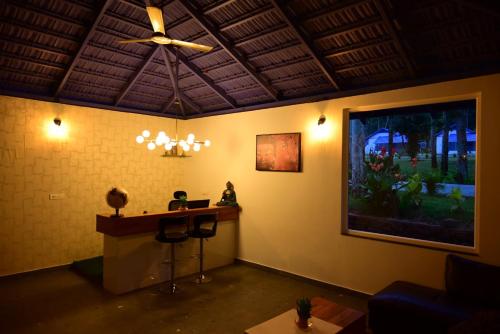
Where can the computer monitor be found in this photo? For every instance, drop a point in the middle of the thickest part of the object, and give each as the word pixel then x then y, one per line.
pixel 198 203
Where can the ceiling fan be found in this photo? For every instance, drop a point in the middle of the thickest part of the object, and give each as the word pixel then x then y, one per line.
pixel 156 18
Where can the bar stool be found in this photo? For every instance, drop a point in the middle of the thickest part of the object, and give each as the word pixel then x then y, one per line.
pixel 172 230
pixel 203 233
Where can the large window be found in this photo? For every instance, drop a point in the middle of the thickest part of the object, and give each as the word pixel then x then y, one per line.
pixel 410 174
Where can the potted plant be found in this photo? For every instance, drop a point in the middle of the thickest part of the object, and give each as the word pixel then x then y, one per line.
pixel 304 312
pixel 183 203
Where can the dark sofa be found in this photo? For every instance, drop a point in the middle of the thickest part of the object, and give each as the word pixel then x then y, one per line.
pixel 470 303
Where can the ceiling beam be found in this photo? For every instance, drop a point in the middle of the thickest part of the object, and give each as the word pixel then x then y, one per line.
pixel 204 78
pixel 307 44
pixel 222 41
pixel 173 80
pixel 367 62
pixel 168 104
pixel 35 46
pixel 136 76
pixel 391 27
pixel 39 62
pixel 87 38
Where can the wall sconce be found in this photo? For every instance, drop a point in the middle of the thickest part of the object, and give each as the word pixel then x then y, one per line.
pixel 56 129
pixel 321 120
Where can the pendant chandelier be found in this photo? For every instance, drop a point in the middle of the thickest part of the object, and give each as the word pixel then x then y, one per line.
pixel 174 147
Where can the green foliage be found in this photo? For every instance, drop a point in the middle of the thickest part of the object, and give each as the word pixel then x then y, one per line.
pixel 183 200
pixel 411 199
pixel 432 180
pixel 304 308
pixel 380 187
pixel 458 201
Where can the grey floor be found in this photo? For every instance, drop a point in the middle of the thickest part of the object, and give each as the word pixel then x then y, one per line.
pixel 240 296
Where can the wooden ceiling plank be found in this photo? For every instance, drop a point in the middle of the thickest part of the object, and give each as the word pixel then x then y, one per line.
pixel 306 43
pixel 357 47
pixel 216 6
pixel 35 46
pixel 38 11
pixel 204 78
pixel 87 38
pixel 261 34
pixel 337 7
pixel 366 63
pixel 364 23
pixel 391 27
pixel 247 17
pixel 42 31
pixel 136 76
pixel 481 7
pixel 40 62
pixel 215 34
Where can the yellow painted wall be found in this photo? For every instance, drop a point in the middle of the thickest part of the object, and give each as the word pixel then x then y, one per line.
pixel 292 221
pixel 98 153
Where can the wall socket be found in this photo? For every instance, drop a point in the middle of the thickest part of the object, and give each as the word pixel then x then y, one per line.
pixel 56 196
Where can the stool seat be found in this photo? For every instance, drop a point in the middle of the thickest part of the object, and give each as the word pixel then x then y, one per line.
pixel 202 233
pixel 172 237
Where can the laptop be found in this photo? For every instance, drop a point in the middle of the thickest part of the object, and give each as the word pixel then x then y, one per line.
pixel 198 203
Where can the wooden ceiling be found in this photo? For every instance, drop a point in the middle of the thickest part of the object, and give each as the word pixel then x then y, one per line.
pixel 266 52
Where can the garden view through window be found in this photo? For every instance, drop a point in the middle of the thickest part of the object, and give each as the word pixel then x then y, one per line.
pixel 411 172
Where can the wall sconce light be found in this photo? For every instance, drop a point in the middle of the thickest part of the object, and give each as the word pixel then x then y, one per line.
pixel 56 129
pixel 321 120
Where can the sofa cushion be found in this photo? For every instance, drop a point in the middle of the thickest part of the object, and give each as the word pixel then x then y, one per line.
pixel 404 307
pixel 483 322
pixel 472 281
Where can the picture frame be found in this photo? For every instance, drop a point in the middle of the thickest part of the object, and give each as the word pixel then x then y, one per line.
pixel 280 152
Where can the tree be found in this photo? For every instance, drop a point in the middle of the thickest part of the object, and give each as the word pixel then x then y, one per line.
pixel 462 169
pixel 444 145
pixel 357 148
pixel 432 141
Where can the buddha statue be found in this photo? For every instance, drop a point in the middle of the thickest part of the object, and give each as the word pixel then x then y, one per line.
pixel 228 196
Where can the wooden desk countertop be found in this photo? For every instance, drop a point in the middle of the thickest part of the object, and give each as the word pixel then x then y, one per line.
pixel 144 223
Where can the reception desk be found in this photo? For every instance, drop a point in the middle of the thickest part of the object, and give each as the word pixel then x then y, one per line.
pixel 133 259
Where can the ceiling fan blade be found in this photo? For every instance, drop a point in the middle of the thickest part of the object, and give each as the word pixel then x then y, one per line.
pixel 135 40
pixel 156 18
pixel 195 46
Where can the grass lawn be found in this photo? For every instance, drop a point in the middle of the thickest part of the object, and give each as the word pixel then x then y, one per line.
pixel 433 210
pixel 424 167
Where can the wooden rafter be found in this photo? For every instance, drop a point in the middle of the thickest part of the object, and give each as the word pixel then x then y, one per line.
pixel 338 6
pixel 223 42
pixel 391 27
pixel 357 47
pixel 136 76
pixel 175 84
pixel 249 16
pixel 306 42
pixel 203 77
pixel 90 32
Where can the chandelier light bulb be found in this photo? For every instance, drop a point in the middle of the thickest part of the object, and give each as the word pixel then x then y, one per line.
pixel 196 147
pixel 190 139
pixel 174 143
pixel 151 146
pixel 186 147
pixel 166 139
pixel 207 143
pixel 168 146
pixel 146 133
pixel 139 139
pixel 162 134
pixel 159 140
pixel 182 142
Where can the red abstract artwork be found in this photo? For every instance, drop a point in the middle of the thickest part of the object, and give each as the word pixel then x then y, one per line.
pixel 278 152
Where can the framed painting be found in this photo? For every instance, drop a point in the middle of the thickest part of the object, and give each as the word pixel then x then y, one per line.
pixel 279 152
pixel 410 174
